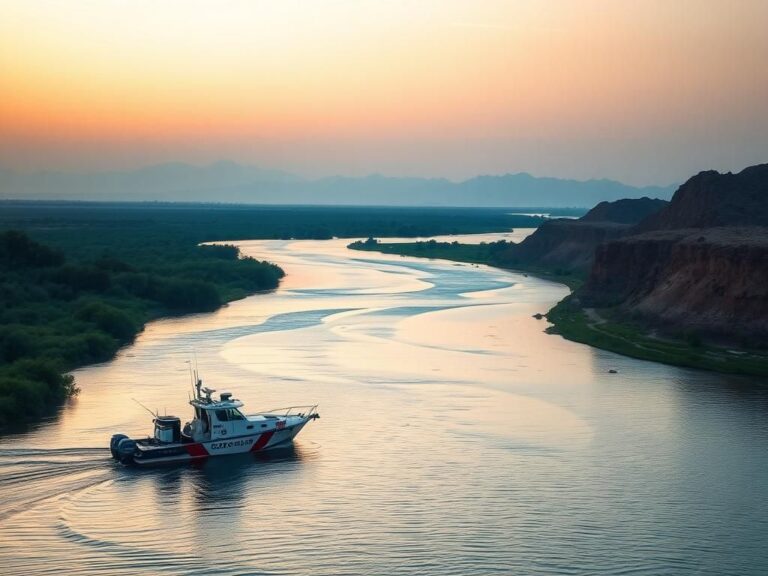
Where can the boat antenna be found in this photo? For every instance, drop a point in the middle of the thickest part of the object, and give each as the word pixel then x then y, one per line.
pixel 145 408
pixel 191 376
pixel 196 379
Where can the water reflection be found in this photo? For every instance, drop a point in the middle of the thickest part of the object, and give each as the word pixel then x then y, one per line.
pixel 219 485
pixel 457 438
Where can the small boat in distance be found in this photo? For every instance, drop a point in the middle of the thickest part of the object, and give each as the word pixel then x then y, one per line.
pixel 218 428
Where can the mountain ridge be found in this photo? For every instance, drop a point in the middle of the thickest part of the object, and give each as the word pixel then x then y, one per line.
pixel 227 181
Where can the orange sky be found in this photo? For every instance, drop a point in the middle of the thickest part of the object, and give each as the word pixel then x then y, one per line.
pixel 643 91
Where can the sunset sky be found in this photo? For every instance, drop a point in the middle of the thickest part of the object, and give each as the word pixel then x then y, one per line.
pixel 644 91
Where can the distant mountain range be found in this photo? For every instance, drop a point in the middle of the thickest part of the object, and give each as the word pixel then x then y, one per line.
pixel 237 183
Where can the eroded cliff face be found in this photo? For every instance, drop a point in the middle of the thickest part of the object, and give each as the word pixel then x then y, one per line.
pixel 712 281
pixel 699 264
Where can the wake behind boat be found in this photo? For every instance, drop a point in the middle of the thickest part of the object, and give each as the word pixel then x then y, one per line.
pixel 218 428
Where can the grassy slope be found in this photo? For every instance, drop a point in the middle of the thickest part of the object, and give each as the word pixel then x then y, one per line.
pixel 600 329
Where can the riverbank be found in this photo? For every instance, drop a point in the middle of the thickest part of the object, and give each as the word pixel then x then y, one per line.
pixel 79 280
pixel 490 253
pixel 603 328
pixel 58 312
pixel 450 391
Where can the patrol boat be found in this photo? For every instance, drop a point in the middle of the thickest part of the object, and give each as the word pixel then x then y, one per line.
pixel 218 428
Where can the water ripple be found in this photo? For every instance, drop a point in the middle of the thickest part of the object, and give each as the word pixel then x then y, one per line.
pixel 456 438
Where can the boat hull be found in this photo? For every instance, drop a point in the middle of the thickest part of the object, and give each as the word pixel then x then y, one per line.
pixel 151 454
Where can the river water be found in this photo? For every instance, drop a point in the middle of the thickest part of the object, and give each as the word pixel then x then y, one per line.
pixel 456 438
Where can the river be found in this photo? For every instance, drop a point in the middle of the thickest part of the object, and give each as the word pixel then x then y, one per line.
pixel 456 437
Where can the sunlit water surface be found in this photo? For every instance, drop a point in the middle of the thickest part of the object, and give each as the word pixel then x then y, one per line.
pixel 456 438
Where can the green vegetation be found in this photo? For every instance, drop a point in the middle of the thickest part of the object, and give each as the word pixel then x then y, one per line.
pixel 59 312
pixel 491 253
pixel 484 253
pixel 602 328
pixel 64 223
pixel 78 280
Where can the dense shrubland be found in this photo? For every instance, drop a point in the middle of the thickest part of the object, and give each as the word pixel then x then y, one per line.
pixel 80 279
pixel 156 224
pixel 59 312
pixel 482 253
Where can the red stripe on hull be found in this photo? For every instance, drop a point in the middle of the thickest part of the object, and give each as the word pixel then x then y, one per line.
pixel 196 450
pixel 262 441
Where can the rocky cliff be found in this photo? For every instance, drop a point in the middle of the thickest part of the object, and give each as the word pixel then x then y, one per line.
pixel 568 244
pixel 700 264
pixel 627 211
pixel 711 199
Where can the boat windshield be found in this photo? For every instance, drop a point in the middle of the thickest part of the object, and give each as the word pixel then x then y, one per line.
pixel 229 415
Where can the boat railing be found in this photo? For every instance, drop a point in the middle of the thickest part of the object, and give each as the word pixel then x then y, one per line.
pixel 304 411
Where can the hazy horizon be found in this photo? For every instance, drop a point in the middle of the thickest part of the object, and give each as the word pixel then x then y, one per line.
pixel 241 183
pixel 220 162
pixel 642 93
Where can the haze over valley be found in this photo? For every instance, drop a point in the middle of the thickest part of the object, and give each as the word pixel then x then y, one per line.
pixel 236 183
pixel 502 264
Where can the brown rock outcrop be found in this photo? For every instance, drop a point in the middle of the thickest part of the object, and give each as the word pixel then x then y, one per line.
pixel 713 281
pixel 566 244
pixel 569 244
pixel 699 264
pixel 711 199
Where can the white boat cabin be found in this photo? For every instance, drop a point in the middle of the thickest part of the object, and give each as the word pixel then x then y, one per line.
pixel 219 419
